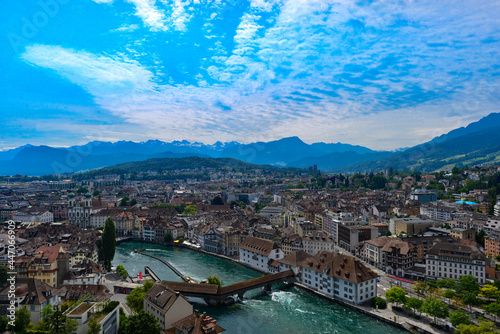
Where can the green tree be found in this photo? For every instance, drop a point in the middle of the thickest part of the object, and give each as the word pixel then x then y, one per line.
pixel 378 182
pixel 420 288
pixel 468 283
pixel 480 237
pixel 489 291
pixel 124 201
pixel 448 293
pixel 215 280
pixel 496 283
pixel 414 304
pixel 493 308
pixel 396 295
pixel 469 299
pixel 122 271
pixel 380 302
pixel 45 316
pixel 435 307
pixel 95 193
pixel 94 327
pixel 190 210
pixel 459 317
pixel 167 238
pixel 123 321
pixel 3 275
pixel 448 283
pixel 142 323
pixel 3 324
pixel 23 319
pixel 135 300
pixel 82 190
pixel 484 327
pixel 60 324
pixel 108 242
pixel 133 202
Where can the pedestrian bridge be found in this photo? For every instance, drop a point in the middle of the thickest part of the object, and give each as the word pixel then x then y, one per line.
pixel 215 295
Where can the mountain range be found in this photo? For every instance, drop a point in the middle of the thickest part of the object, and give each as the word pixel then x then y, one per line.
pixel 478 143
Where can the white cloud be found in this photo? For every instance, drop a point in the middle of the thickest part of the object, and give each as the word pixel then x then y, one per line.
pixel 179 17
pixel 128 28
pixel 150 14
pixel 318 69
pixel 100 75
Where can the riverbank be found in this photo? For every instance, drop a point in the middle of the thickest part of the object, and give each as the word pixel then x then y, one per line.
pixel 386 316
pixel 284 311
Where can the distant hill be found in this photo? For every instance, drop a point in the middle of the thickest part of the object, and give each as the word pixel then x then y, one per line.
pixel 478 143
pixel 338 159
pixel 169 164
pixel 43 160
pixel 287 151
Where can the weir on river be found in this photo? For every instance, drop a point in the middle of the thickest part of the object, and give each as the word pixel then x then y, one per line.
pixel 168 264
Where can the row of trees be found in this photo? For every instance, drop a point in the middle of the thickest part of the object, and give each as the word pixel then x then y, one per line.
pixel 465 292
pixel 181 208
pixel 432 306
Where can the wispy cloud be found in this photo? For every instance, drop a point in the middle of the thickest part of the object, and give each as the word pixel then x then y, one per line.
pixel 362 72
pixel 100 75
pixel 150 14
pixel 127 28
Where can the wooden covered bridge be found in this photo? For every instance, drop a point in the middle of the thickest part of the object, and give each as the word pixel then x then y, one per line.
pixel 215 295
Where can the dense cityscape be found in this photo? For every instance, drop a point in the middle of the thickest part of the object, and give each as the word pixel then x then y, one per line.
pixel 415 249
pixel 249 167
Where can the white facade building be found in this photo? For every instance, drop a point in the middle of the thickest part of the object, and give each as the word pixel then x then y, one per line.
pixel 259 253
pixel 438 211
pixel 446 260
pixel 318 241
pixel 340 276
pixel 34 217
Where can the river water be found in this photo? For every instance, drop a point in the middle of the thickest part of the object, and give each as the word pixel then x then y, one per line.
pixel 287 311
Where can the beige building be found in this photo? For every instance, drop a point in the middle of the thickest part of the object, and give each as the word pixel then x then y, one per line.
pixel 166 305
pixel 125 223
pixel 49 265
pixel 411 226
pixel 461 233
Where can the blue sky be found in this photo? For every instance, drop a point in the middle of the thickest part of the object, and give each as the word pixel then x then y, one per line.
pixel 383 74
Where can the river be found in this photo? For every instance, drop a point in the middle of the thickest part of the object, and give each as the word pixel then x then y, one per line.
pixel 289 311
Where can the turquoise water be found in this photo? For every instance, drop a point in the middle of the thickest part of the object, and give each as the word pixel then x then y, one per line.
pixel 290 311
